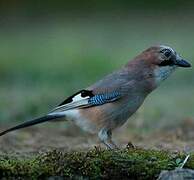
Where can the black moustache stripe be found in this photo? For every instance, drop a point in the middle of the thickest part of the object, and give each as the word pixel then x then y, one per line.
pixel 166 63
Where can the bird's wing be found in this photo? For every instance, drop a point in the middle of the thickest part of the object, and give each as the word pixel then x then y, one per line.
pixel 109 89
pixel 86 98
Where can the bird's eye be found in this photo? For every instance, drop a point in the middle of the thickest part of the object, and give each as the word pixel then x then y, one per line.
pixel 166 53
pixel 167 57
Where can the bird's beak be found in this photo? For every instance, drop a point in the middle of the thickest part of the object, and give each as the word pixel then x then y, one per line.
pixel 182 63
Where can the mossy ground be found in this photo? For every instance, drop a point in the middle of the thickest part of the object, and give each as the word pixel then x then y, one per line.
pixel 128 163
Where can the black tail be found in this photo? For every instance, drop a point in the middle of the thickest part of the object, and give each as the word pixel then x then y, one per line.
pixel 31 123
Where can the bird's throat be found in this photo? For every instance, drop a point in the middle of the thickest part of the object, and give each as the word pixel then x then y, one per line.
pixel 162 73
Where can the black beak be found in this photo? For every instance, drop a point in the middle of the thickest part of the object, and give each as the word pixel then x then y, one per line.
pixel 182 63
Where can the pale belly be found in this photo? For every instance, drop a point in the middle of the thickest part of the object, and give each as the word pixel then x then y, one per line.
pixel 80 121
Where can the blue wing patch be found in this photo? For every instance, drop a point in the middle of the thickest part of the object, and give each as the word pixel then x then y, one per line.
pixel 104 98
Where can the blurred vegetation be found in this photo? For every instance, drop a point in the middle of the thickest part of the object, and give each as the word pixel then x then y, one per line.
pixel 50 50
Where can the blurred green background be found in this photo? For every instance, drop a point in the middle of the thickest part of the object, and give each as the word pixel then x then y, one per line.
pixel 51 49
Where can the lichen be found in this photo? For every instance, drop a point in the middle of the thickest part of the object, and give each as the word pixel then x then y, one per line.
pixel 134 163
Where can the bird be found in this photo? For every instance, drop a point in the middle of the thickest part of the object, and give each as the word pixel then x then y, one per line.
pixel 107 104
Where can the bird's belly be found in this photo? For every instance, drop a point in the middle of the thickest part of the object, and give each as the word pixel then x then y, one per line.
pixel 82 122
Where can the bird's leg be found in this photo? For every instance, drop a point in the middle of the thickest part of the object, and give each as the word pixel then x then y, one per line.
pixel 106 137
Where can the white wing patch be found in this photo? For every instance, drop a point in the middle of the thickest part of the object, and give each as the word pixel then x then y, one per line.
pixel 73 102
pixel 78 97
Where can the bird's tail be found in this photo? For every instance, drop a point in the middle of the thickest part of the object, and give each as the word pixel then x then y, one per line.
pixel 32 122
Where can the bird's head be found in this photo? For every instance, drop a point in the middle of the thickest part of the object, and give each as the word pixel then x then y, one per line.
pixel 162 60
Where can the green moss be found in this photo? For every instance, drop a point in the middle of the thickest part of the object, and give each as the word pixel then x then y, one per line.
pixel 95 164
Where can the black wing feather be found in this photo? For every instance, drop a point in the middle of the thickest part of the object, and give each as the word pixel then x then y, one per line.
pixel 84 93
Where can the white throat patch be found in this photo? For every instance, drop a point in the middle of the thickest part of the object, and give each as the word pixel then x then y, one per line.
pixel 161 73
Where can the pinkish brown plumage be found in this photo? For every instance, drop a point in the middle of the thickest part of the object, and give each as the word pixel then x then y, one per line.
pixel 108 103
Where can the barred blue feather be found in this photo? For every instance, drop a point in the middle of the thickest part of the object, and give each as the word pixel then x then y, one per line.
pixel 104 98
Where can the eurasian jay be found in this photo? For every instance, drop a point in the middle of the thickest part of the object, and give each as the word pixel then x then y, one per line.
pixel 108 103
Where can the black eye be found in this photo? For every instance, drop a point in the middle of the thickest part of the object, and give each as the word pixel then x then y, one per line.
pixel 166 52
